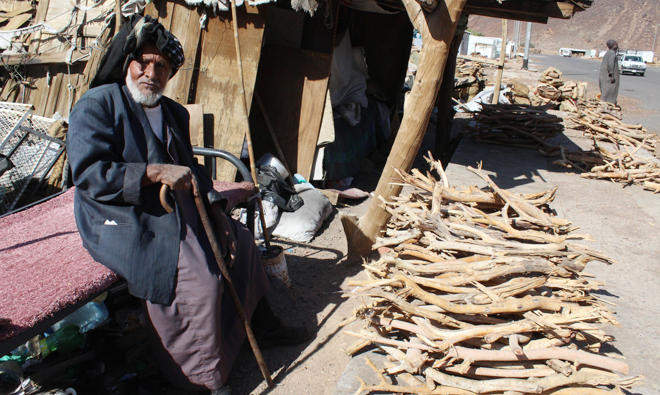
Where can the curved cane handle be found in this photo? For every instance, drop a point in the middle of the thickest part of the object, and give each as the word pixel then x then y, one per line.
pixel 163 199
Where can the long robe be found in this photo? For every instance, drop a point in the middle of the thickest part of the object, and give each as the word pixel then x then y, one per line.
pixel 201 331
pixel 608 79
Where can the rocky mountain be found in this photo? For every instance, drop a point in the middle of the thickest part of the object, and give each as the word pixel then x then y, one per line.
pixel 633 23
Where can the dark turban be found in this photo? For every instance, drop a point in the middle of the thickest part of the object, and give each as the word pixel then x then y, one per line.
pixel 127 45
pixel 611 44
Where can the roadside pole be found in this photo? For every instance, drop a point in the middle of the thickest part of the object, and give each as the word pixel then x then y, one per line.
pixel 654 37
pixel 500 66
pixel 516 37
pixel 528 37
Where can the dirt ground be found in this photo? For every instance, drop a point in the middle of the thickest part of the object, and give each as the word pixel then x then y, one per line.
pixel 320 275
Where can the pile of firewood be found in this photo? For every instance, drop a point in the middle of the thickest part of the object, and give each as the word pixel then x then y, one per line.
pixel 553 91
pixel 469 79
pixel 601 107
pixel 629 158
pixel 520 92
pixel 515 125
pixel 482 292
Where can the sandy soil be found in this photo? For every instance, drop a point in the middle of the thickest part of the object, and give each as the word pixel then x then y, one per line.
pixel 319 274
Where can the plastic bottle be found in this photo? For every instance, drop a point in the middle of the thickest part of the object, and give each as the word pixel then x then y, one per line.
pixel 86 318
pixel 25 351
pixel 65 339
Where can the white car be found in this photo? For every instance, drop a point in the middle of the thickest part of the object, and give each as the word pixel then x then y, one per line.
pixel 632 64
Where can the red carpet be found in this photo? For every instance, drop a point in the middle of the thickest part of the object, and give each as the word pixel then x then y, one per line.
pixel 43 265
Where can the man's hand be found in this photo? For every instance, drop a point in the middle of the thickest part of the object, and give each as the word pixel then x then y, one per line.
pixel 178 178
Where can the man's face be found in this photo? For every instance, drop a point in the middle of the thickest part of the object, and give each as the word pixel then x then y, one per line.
pixel 147 75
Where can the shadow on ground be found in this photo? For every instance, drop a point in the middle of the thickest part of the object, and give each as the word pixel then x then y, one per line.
pixel 505 161
pixel 317 271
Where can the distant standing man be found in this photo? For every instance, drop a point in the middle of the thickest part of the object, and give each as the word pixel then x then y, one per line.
pixel 608 79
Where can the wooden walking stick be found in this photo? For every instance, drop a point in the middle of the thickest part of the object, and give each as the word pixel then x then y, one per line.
pixel 248 135
pixel 213 241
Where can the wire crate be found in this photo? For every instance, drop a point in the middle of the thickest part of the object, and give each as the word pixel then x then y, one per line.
pixel 27 153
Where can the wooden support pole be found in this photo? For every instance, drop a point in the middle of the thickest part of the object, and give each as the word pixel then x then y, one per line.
pixel 444 101
pixel 500 66
pixel 437 29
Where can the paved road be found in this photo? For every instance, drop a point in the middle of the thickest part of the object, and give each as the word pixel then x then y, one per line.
pixel 641 89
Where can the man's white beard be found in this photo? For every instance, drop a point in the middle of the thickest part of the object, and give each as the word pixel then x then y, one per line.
pixel 148 100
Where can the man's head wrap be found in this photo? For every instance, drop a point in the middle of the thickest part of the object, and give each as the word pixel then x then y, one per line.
pixel 611 44
pixel 127 45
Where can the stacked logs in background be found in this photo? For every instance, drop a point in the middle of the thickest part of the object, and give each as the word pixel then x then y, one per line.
pixel 553 91
pixel 622 152
pixel 515 125
pixel 482 292
pixel 469 79
pixel 601 107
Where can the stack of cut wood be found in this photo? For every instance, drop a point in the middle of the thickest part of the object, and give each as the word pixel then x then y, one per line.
pixel 469 79
pixel 553 91
pixel 520 92
pixel 482 292
pixel 629 158
pixel 515 125
pixel 552 76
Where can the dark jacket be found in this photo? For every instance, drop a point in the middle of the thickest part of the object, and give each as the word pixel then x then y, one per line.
pixel 122 224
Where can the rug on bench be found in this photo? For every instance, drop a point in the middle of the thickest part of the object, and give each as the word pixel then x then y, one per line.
pixel 43 266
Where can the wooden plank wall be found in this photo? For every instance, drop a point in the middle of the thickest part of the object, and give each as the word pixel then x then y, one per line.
pixel 293 83
pixel 218 84
pixel 183 22
pixel 53 88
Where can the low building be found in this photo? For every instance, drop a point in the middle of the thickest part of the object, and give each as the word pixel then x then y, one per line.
pixel 488 47
pixel 572 52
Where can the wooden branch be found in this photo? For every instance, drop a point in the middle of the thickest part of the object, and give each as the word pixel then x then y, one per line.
pixel 500 66
pixel 494 372
pixel 45 58
pixel 576 356
pixel 416 310
pixel 540 385
pixel 479 60
pixel 507 306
